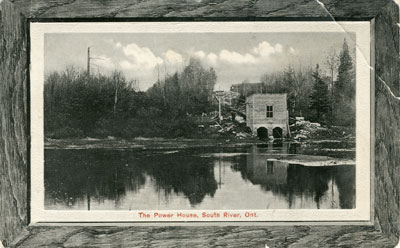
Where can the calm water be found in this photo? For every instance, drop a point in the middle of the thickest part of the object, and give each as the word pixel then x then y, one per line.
pixel 242 177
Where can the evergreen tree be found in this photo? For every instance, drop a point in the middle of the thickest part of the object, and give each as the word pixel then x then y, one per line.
pixel 319 98
pixel 344 86
pixel 344 90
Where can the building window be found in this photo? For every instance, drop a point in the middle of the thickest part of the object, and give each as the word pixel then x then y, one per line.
pixel 270 111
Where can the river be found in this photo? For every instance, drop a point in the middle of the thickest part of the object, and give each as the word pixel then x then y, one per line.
pixel 243 176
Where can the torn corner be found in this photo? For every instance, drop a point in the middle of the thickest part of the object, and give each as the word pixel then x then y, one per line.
pixel 326 10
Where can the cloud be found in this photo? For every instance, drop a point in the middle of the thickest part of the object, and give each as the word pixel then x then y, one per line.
pixel 256 55
pixel 141 62
pixel 173 57
pixel 200 54
pixel 236 58
pixel 293 51
pixel 212 59
pixel 142 58
pixel 265 49
pixel 139 58
pixel 126 65
pixel 278 48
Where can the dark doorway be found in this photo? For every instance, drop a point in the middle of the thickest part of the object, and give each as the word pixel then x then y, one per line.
pixel 277 133
pixel 262 133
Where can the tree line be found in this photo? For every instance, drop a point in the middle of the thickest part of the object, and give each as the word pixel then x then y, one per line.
pixel 82 105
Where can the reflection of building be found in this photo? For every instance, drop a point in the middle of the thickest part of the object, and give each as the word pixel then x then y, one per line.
pixel 302 186
pixel 265 171
pixel 266 115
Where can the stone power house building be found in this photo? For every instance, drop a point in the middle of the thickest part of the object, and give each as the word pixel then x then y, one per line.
pixel 267 115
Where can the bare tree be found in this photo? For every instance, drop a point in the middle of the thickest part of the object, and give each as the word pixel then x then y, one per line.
pixel 119 80
pixel 332 62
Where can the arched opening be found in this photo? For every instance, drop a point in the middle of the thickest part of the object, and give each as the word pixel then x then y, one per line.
pixel 277 133
pixel 262 133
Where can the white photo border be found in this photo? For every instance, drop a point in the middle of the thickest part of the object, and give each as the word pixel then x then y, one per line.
pixel 363 213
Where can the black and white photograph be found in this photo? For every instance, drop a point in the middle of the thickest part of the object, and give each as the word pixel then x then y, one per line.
pixel 197 122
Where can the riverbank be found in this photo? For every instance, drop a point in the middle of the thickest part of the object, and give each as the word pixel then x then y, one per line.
pixel 207 127
pixel 311 144
pixel 143 143
pixel 163 143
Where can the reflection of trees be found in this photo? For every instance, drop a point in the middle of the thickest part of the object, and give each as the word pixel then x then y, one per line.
pixel 307 181
pixel 296 181
pixel 314 182
pixel 73 175
pixel 345 181
pixel 181 174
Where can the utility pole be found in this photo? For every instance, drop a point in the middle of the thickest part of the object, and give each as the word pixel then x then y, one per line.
pixel 219 110
pixel 88 61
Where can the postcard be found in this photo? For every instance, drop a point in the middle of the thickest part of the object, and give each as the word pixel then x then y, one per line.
pixel 201 122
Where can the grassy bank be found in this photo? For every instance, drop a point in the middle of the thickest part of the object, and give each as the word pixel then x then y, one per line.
pixel 197 133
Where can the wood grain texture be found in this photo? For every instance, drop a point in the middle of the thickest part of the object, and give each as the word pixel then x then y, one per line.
pixel 13 122
pixel 387 62
pixel 14 138
pixel 200 8
pixel 387 120
pixel 293 236
pixel 387 160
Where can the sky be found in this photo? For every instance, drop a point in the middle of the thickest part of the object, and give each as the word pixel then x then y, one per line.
pixel 235 56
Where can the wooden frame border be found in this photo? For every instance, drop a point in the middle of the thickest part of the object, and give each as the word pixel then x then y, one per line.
pixel 14 122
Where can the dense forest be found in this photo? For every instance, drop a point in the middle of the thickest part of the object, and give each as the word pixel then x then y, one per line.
pixel 81 105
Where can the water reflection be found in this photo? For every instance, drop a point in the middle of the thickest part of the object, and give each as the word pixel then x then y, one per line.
pixel 295 181
pixel 72 176
pixel 195 178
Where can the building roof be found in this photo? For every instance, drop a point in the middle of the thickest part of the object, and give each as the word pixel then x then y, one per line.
pixel 266 95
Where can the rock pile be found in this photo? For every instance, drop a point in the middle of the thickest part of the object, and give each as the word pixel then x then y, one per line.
pixel 305 129
pixel 302 130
